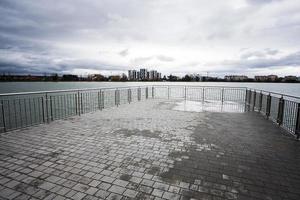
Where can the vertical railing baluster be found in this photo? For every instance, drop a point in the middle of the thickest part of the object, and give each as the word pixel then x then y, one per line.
pixel 246 99
pixel 45 97
pixel 203 94
pixel 43 109
pixel 147 93
pixel 15 113
pixel 222 95
pixel 184 92
pixel 99 99
pixel 20 110
pixel 152 92
pixel 128 95
pixel 116 97
pixel 30 114
pixel 3 115
pixel 76 103
pixel 139 94
pixel 81 103
pixel 254 100
pixel 168 92
pixel 260 101
pixel 25 111
pixel 102 98
pixel 51 109
pixel 250 99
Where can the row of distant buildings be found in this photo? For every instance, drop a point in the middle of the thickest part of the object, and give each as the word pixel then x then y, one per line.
pixel 268 78
pixel 144 75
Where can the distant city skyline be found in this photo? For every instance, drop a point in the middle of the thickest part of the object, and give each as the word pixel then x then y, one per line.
pixel 232 37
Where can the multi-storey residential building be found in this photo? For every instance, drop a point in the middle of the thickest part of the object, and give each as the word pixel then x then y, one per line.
pixel 143 74
pixel 158 76
pixel 266 78
pixel 272 77
pixel 260 78
pixel 132 75
pixel 290 78
pixel 153 75
pixel 236 78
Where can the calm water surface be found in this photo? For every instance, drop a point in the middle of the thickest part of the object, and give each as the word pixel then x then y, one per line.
pixel 9 87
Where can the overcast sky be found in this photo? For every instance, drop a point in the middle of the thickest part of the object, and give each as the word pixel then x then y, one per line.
pixel 248 37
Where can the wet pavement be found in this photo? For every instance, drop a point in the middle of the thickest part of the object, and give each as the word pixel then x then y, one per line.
pixel 152 150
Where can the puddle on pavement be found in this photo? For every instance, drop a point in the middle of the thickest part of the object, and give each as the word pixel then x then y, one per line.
pixel 209 106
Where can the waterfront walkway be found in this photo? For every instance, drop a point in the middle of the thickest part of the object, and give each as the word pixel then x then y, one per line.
pixel 148 150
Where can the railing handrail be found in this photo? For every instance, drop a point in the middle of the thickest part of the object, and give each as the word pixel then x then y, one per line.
pixel 69 90
pixel 124 87
pixel 276 93
pixel 106 88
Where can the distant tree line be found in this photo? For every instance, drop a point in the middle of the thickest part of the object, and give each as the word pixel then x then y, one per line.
pixel 123 77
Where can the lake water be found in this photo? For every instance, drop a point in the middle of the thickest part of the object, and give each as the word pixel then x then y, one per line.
pixel 12 87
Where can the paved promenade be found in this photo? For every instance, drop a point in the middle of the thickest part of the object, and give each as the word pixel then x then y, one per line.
pixel 149 150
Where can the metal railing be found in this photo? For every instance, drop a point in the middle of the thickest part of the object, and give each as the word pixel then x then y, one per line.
pixel 284 110
pixel 19 110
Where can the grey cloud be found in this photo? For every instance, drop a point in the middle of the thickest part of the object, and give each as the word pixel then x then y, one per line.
pixel 261 1
pixel 141 60
pixel 124 52
pixel 259 54
pixel 34 34
pixel 165 58
pixel 144 60
pixel 292 59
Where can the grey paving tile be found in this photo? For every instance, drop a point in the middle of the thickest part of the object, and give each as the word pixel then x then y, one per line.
pixel 117 189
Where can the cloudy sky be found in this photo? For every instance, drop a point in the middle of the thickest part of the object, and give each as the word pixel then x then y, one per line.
pixel 173 36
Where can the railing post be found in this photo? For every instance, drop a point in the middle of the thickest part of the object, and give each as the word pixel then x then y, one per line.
pixel 139 94
pixel 47 107
pixel 260 100
pixel 184 92
pixel 168 92
pixel 146 92
pixel 129 95
pixel 203 94
pixel 297 129
pixel 268 109
pixel 250 97
pixel 76 103
pixel 246 99
pixel 116 97
pixel 280 111
pixel 254 100
pixel 3 115
pixel 80 103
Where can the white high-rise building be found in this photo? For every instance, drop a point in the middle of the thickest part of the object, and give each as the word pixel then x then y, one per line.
pixel 143 74
pixel 132 75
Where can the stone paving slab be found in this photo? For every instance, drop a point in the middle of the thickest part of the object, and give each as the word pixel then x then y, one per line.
pixel 148 150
